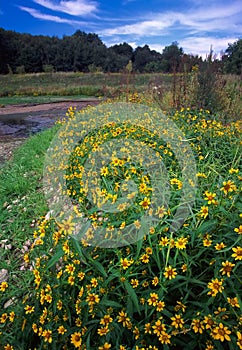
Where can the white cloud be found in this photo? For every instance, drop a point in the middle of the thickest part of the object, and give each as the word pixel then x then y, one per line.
pixel 150 28
pixel 216 11
pixel 213 18
pixel 157 47
pixel 43 16
pixel 133 44
pixel 201 45
pixel 202 19
pixel 118 40
pixel 195 28
pixel 72 7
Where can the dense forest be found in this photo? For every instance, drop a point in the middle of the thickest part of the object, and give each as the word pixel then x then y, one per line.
pixel 82 52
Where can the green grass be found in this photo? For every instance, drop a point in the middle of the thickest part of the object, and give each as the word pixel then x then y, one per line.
pixel 22 200
pixel 217 151
pixel 68 84
pixel 16 99
pixel 173 91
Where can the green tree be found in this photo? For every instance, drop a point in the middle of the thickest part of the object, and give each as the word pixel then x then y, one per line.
pixel 171 58
pixel 143 56
pixel 233 58
pixel 118 56
pixel 9 50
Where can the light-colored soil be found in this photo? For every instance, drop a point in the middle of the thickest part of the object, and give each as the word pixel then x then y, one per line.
pixel 7 148
pixel 46 107
pixel 8 144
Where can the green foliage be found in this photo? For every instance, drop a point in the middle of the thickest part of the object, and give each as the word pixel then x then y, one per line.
pixel 144 56
pixel 70 84
pixel 207 89
pixel 20 70
pixel 177 290
pixel 129 67
pixel 204 88
pixel 233 58
pixel 48 68
pixel 171 58
pixel 10 71
pixel 22 201
pixel 93 69
pixel 82 51
pixel 118 56
pixel 219 93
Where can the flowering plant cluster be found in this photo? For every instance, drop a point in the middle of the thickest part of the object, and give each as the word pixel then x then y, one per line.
pixel 167 290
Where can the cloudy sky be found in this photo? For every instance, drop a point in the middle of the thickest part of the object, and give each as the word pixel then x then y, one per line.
pixel 195 24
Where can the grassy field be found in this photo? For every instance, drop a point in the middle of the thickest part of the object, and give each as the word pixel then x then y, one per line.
pixel 69 84
pixel 219 94
pixel 31 100
pixel 168 290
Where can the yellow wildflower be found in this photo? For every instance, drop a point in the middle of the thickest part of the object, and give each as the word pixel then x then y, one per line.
pixel 170 272
pixel 237 255
pixel 177 321
pixel 153 299
pixel 216 286
pixel 76 339
pixel 197 326
pixel 227 268
pixel 221 333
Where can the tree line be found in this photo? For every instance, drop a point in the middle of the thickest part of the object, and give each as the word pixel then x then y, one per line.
pixel 85 52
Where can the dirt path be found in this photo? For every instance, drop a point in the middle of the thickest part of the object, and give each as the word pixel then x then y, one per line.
pixel 7 148
pixel 47 107
pixel 8 144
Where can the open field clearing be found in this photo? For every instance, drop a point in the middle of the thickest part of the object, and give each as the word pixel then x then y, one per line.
pixel 208 90
pixel 73 84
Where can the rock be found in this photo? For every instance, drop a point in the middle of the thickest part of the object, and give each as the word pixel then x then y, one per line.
pixel 9 303
pixel 3 275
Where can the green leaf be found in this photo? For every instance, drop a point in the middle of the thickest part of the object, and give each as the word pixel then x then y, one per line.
pixel 219 346
pixel 138 246
pixel 59 254
pixel 79 250
pixel 99 267
pixel 132 295
pixel 196 282
pixel 113 275
pixel 130 307
pixel 109 303
pixel 207 226
pixel 167 313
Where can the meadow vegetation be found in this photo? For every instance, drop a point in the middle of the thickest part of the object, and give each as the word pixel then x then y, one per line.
pixel 200 88
pixel 169 290
pixel 65 84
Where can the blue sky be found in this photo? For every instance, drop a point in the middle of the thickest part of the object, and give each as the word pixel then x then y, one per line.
pixel 195 24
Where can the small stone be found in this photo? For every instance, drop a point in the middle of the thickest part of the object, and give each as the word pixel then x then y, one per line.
pixel 3 275
pixel 9 303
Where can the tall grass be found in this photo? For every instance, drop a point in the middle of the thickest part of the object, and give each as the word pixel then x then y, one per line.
pixel 201 88
pixel 65 84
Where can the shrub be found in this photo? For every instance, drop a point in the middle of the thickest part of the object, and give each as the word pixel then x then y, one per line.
pixel 20 70
pixel 171 289
pixel 48 68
